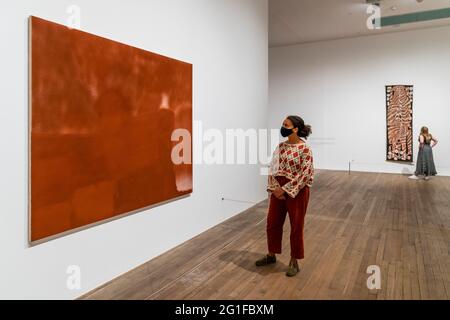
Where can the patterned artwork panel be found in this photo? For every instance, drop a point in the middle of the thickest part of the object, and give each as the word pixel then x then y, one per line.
pixel 399 118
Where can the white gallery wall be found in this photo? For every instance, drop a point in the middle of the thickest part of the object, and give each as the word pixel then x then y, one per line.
pixel 339 88
pixel 227 42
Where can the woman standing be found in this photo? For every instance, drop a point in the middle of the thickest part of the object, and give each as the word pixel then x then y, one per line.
pixel 290 177
pixel 425 163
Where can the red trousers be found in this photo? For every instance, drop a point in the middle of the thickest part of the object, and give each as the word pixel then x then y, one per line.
pixel 296 207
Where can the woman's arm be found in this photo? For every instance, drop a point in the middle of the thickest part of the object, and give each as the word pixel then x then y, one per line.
pixel 421 141
pixel 435 141
pixel 293 187
pixel 272 183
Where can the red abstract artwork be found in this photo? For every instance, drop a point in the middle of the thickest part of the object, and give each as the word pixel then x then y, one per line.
pixel 102 118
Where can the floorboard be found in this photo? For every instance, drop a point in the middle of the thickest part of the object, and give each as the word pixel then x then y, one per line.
pixel 353 221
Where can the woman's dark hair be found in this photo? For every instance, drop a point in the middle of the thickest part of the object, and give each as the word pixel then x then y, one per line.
pixel 304 130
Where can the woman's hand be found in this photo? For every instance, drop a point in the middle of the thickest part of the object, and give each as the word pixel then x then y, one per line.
pixel 279 193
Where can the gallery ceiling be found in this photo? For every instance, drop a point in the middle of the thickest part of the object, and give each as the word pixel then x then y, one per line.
pixel 302 21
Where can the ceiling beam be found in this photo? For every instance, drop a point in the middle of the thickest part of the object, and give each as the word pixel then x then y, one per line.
pixel 415 17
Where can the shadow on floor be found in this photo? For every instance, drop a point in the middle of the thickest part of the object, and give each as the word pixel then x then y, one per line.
pixel 246 260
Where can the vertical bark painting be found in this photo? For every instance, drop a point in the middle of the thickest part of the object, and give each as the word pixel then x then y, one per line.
pixel 399 110
pixel 102 122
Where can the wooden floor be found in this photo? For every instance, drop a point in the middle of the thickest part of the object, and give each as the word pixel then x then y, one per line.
pixel 353 221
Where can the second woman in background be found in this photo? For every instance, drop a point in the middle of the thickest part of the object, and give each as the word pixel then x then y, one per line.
pixel 425 163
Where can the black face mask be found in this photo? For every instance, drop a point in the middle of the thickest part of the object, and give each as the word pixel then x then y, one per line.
pixel 285 132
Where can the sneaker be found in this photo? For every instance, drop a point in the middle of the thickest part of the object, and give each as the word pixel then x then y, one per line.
pixel 266 261
pixel 427 178
pixel 292 270
pixel 413 177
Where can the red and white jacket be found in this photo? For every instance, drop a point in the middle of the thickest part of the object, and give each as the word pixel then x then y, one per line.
pixel 295 162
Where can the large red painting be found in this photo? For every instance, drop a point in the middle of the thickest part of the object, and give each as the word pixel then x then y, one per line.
pixel 102 116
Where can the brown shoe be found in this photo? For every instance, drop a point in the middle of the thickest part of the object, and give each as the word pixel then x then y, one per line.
pixel 292 270
pixel 266 261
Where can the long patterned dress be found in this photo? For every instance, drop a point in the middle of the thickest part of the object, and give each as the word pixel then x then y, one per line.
pixel 425 163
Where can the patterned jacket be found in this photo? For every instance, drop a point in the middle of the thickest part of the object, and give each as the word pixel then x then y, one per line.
pixel 295 162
